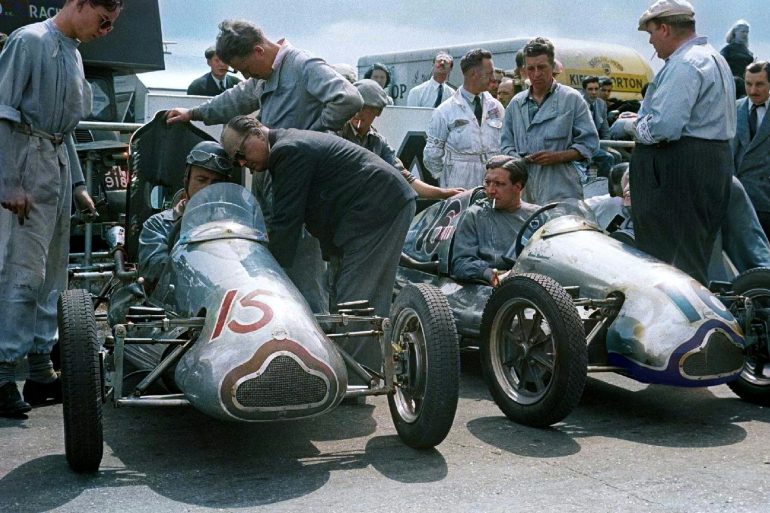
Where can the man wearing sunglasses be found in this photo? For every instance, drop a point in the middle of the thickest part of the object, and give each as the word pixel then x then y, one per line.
pixel 207 164
pixel 43 96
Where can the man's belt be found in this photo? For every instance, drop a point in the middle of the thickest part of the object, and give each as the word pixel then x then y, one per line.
pixel 26 129
pixel 468 157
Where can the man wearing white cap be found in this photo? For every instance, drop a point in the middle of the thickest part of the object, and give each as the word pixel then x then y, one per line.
pixel 682 165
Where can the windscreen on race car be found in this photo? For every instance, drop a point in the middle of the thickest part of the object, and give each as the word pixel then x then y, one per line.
pixel 565 216
pixel 226 205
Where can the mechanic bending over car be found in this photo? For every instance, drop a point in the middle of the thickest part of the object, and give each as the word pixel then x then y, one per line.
pixel 490 226
pixel 207 163
pixel 359 130
pixel 357 205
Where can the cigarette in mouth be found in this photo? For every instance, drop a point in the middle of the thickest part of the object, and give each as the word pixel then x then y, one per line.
pixel 358 124
pixel 493 203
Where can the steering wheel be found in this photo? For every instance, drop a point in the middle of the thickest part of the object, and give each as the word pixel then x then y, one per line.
pixel 530 226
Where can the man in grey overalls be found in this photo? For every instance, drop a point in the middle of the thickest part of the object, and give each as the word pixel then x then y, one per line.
pixel 291 89
pixel 43 96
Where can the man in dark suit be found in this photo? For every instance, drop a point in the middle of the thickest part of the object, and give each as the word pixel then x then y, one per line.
pixel 357 205
pixel 751 146
pixel 215 82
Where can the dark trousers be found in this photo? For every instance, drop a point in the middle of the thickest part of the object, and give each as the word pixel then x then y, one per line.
pixel 680 192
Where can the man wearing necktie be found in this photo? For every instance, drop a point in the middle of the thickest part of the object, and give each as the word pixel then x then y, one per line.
pixel 215 82
pixel 464 130
pixel 433 92
pixel 751 145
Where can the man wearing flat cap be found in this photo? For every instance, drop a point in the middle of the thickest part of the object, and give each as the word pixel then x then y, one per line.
pixel 682 165
pixel 359 130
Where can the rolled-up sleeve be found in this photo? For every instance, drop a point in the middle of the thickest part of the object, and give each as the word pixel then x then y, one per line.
pixel 665 113
pixel 437 133
pixel 585 138
pixel 341 99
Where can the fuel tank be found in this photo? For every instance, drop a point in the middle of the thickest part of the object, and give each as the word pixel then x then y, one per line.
pixel 670 329
pixel 261 355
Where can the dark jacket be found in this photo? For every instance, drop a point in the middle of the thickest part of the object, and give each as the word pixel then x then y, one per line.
pixel 336 188
pixel 752 157
pixel 205 85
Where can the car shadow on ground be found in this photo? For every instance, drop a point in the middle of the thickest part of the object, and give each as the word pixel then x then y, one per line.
pixel 655 415
pixel 189 458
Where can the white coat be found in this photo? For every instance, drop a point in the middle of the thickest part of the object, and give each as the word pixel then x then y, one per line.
pixel 458 147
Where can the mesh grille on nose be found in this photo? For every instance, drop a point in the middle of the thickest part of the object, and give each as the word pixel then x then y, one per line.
pixel 283 383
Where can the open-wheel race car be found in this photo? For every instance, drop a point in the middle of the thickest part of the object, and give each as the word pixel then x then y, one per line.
pixel 577 300
pixel 224 330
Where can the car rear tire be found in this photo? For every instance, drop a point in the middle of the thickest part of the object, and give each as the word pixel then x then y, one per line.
pixel 424 402
pixel 81 381
pixel 533 350
pixel 751 386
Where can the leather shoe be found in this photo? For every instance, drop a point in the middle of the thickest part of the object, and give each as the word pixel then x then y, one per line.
pixel 36 393
pixel 11 404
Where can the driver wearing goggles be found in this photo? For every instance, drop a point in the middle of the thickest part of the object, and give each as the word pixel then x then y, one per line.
pixel 207 163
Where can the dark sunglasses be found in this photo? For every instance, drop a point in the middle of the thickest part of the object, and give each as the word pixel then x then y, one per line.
pixel 106 23
pixel 239 156
pixel 198 157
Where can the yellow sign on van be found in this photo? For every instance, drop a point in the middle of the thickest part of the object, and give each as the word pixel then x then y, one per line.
pixel 622 82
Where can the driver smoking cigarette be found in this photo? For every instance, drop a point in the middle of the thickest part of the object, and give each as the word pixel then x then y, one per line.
pixel 493 203
pixel 358 124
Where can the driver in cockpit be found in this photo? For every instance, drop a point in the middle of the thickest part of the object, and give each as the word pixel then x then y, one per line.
pixel 490 226
pixel 207 163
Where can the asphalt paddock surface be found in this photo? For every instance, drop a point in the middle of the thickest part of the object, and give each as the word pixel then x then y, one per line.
pixel 627 447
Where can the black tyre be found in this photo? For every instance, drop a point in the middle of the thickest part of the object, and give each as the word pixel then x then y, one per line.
pixel 81 381
pixel 752 385
pixel 423 332
pixel 533 350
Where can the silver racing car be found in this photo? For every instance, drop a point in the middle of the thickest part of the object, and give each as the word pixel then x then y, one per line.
pixel 577 300
pixel 225 330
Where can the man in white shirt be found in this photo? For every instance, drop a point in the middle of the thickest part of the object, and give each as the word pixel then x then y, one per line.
pixel 464 131
pixel 215 82
pixel 435 91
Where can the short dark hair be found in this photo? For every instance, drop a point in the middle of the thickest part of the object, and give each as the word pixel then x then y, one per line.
pixel 109 5
pixel 381 67
pixel 541 46
pixel 473 59
pixel 237 38
pixel 516 167
pixel 520 58
pixel 759 66
pixel 605 81
pixel 210 52
pixel 590 80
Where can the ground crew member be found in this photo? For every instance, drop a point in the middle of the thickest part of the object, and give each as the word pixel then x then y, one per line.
pixel 43 96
